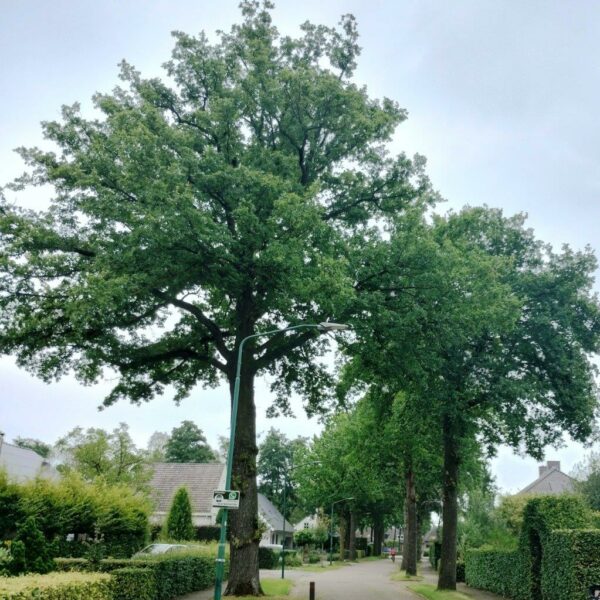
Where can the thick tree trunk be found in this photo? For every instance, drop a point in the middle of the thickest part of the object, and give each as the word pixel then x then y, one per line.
pixel 352 540
pixel 378 528
pixel 411 523
pixel 405 537
pixel 245 535
pixel 343 529
pixel 447 577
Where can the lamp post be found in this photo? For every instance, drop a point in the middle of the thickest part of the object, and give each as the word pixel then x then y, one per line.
pixel 285 482
pixel 324 327
pixel 331 528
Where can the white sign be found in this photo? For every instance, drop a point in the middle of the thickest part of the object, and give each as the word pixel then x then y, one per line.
pixel 226 499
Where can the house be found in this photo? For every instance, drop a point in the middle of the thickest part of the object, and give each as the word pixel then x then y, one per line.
pixel 551 480
pixel 200 479
pixel 309 522
pixel 23 464
pixel 274 522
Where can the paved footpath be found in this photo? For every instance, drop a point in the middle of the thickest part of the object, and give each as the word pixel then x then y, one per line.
pixel 355 581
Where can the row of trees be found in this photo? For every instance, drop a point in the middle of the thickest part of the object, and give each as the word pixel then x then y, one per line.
pixel 253 192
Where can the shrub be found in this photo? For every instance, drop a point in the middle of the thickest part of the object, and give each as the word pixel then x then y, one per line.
pixel 267 558
pixel 69 565
pixel 133 584
pixel 314 558
pixel 500 571
pixel 460 570
pixel 30 551
pixel 571 563
pixel 292 559
pixel 57 586
pixel 208 533
pixel 435 553
pixel 179 524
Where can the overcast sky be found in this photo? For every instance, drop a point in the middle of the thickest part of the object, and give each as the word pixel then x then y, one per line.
pixel 502 99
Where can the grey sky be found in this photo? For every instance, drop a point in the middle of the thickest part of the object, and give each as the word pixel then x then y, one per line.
pixel 502 98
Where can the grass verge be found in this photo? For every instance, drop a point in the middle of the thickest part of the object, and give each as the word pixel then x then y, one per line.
pixel 274 589
pixel 431 593
pixel 402 576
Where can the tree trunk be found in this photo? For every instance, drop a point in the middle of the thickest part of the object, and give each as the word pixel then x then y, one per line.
pixel 352 541
pixel 378 534
pixel 405 536
pixel 411 523
pixel 342 535
pixel 447 577
pixel 245 534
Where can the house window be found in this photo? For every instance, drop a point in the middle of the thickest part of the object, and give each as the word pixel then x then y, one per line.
pixel 306 525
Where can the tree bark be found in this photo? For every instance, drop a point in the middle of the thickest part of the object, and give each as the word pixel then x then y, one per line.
pixel 447 576
pixel 342 535
pixel 244 527
pixel 378 528
pixel 411 523
pixel 352 541
pixel 404 536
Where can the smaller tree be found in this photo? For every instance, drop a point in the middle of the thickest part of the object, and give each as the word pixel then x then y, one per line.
pixel 31 553
pixel 587 474
pixel 188 445
pixel 179 524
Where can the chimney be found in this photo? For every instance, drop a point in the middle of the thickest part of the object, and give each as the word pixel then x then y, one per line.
pixel 1 440
pixel 542 469
pixel 554 464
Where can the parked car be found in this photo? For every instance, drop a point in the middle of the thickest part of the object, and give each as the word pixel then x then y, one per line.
pixel 154 549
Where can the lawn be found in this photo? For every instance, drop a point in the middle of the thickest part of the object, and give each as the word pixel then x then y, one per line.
pixel 428 591
pixel 402 576
pixel 275 589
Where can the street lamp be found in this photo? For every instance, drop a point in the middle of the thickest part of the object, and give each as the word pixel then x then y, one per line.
pixel 285 481
pixel 324 327
pixel 331 528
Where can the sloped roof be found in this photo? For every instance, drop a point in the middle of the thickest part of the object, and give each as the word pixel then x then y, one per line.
pixel 552 481
pixel 23 464
pixel 200 479
pixel 271 515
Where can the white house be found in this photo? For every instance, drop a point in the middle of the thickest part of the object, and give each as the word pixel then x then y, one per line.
pixel 274 521
pixel 23 464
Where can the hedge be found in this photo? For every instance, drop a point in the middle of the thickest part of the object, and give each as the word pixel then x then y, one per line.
pixel 268 558
pixel 496 570
pixel 173 575
pixel 435 553
pixel 571 564
pixel 57 586
pixel 133 584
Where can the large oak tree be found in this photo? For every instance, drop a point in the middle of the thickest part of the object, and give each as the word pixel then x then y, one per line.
pixel 191 214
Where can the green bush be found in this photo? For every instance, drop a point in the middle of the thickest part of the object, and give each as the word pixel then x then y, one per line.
pixel 267 558
pixel 133 584
pixel 314 558
pixel 179 524
pixel 460 570
pixel 571 563
pixel 435 553
pixel 57 586
pixel 292 559
pixel 500 571
pixel 208 533
pixel 30 552
pixel 70 565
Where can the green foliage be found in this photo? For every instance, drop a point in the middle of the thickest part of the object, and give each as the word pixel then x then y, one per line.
pixel 304 537
pixel 133 584
pixel 435 553
pixel 571 563
pixel 99 455
pixel 115 516
pixel 501 571
pixel 37 446
pixel 57 586
pixel 31 552
pixel 588 475
pixel 179 524
pixel 275 467
pixel 267 558
pixel 5 561
pixel 187 444
pixel 208 533
pixel 11 511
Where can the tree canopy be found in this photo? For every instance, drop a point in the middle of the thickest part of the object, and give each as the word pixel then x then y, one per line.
pixel 187 444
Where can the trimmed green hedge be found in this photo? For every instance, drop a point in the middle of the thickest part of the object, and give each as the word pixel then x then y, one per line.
pixel 435 553
pixel 268 558
pixel 571 564
pixel 133 584
pixel 57 586
pixel 498 571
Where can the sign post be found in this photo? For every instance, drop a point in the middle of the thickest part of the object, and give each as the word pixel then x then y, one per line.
pixel 229 499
